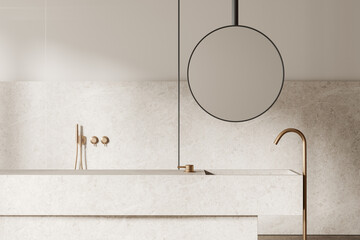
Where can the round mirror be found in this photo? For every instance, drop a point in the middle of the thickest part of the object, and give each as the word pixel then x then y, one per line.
pixel 235 73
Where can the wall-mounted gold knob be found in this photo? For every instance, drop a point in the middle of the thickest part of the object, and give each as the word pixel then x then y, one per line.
pixel 83 138
pixel 105 140
pixel 94 140
pixel 188 168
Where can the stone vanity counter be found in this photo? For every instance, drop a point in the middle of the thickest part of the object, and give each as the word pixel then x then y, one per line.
pixel 144 204
pixel 150 193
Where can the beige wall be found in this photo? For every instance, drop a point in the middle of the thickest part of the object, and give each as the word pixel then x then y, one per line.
pixel 38 119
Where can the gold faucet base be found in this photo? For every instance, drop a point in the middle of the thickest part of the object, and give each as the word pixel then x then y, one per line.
pixel 188 168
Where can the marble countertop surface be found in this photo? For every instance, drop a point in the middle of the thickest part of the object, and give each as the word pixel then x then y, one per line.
pixel 209 172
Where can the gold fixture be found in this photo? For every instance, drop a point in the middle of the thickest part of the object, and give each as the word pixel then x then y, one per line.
pixel 105 140
pixel 94 140
pixel 80 142
pixel 304 173
pixel 188 168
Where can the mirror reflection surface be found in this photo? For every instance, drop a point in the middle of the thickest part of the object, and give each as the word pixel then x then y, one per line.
pixel 235 73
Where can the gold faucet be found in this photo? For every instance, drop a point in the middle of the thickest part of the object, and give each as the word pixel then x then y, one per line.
pixel 282 133
pixel 80 142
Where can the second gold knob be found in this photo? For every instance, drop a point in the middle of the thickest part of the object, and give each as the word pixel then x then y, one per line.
pixel 94 140
pixel 105 140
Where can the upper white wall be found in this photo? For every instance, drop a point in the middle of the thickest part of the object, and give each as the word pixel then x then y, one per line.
pixel 318 39
pixel 88 40
pixel 137 39
pixel 111 40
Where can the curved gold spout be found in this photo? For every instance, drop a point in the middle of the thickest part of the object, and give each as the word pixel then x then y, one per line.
pixel 282 133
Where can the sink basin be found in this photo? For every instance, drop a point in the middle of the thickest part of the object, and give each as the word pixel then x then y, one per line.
pixel 251 172
pixel 99 172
